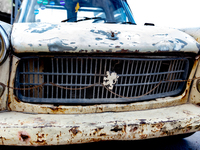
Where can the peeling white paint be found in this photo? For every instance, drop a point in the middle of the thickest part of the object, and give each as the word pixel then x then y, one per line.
pixel 75 37
pixel 45 129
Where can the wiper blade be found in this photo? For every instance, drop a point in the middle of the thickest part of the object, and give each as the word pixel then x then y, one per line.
pixel 84 19
pixel 87 18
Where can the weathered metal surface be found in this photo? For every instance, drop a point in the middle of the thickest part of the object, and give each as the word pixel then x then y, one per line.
pixel 15 104
pixel 194 32
pixel 91 38
pixel 4 77
pixel 195 94
pixel 41 129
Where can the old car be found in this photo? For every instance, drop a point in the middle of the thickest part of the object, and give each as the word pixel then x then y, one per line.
pixel 79 71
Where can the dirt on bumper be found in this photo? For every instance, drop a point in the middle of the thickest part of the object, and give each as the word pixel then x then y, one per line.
pixel 45 129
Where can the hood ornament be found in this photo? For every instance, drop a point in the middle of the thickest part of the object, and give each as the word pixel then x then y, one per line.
pixel 110 80
pixel 113 36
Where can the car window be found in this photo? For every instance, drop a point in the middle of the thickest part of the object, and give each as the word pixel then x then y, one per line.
pixel 99 11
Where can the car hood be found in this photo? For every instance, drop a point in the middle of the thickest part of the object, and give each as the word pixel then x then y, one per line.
pixel 92 38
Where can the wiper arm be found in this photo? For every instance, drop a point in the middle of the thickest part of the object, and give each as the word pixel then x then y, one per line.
pixel 129 23
pixel 67 19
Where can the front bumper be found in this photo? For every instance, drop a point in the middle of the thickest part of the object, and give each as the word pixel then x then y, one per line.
pixel 49 129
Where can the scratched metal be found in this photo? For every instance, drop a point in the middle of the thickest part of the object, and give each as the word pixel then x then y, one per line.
pixel 40 129
pixel 91 38
pixel 15 104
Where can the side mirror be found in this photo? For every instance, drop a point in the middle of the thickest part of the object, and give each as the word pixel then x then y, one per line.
pixel 4 45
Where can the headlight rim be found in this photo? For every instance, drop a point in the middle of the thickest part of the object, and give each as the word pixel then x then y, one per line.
pixel 197 85
pixel 4 45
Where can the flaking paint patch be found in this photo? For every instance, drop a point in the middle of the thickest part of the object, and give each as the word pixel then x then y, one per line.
pixel 38 129
pixel 56 44
pixel 40 28
pixel 167 45
pixel 110 35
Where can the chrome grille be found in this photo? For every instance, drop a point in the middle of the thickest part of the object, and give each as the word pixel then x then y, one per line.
pixel 137 76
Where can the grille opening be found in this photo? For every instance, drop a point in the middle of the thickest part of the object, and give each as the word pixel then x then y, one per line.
pixel 137 76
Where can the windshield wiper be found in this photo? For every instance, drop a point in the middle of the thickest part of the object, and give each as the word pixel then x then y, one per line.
pixel 88 18
pixel 67 19
pixel 84 19
pixel 128 23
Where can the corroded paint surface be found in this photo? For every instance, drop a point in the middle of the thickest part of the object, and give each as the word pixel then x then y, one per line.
pixel 91 38
pixel 41 129
pixel 195 94
pixel 15 104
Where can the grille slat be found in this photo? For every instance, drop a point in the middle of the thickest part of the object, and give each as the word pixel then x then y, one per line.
pixel 136 77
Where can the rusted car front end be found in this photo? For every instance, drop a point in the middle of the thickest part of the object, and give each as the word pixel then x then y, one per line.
pixel 79 82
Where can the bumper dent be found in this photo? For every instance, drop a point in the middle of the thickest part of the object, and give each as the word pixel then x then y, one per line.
pixel 43 129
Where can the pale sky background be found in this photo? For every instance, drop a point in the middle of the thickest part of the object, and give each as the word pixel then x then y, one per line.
pixel 169 13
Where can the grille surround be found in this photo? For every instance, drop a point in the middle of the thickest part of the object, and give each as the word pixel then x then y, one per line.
pixel 136 75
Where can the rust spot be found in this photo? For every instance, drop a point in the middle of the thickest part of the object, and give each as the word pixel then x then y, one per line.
pixel 97 130
pixel 124 51
pixel 24 136
pixel 41 139
pixel 184 96
pixel 143 136
pixel 197 127
pixel 198 104
pixel 98 51
pixel 99 109
pixel 41 142
pixel 17 100
pixel 133 129
pixel 159 126
pixel 2 139
pixel 137 51
pixel 117 129
pixel 112 34
pixel 75 130
pixel 103 134
pixel 56 109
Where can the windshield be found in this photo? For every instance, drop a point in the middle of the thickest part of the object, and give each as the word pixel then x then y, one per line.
pixel 56 11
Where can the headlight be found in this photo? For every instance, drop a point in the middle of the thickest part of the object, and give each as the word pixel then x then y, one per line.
pixel 4 45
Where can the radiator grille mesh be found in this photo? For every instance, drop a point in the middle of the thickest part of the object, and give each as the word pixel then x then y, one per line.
pixel 136 77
